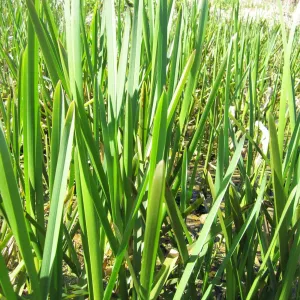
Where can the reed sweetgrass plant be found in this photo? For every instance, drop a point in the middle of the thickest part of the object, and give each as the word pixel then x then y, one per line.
pixel 108 111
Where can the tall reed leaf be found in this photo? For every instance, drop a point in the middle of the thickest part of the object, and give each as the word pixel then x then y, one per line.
pixel 279 194
pixel 15 213
pixel 152 229
pixel 57 200
pixel 5 283
pixel 209 221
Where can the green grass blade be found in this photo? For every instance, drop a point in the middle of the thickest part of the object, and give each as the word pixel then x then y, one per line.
pixel 14 210
pixel 291 267
pixel 279 194
pixel 92 230
pixel 110 26
pixel 152 229
pixel 273 243
pixel 5 283
pixel 237 239
pixel 195 69
pixel 48 51
pixel 121 77
pixel 57 201
pixel 167 268
pixel 57 125
pixel 209 220
pixel 177 93
pixel 126 236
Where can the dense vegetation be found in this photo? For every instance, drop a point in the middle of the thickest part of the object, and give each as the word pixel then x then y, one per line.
pixel 110 114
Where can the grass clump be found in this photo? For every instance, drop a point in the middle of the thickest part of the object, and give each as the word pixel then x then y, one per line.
pixel 117 121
